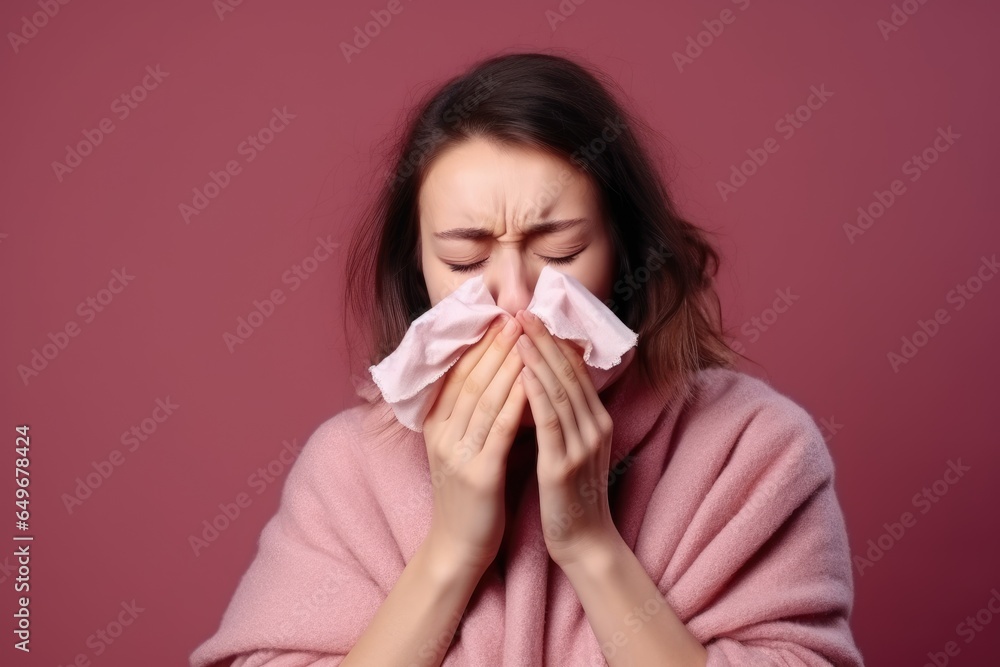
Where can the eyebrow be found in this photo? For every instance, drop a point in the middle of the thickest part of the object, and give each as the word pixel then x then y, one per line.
pixel 537 229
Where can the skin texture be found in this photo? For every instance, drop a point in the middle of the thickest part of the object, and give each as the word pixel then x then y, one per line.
pixel 506 190
pixel 476 184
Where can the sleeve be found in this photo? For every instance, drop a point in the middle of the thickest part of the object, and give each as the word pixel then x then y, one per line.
pixel 306 596
pixel 271 658
pixel 800 615
pixel 776 554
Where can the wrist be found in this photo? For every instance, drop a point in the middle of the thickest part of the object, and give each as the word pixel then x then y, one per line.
pixel 594 556
pixel 450 565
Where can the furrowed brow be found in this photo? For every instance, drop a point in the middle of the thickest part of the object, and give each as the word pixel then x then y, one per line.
pixel 536 229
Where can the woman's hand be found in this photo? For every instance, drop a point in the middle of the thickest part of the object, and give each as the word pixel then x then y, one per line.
pixel 574 445
pixel 468 433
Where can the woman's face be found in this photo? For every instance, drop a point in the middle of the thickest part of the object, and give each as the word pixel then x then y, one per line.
pixel 504 213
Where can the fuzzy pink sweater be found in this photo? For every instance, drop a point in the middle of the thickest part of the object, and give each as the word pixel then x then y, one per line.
pixel 727 500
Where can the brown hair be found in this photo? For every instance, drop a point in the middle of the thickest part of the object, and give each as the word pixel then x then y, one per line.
pixel 665 264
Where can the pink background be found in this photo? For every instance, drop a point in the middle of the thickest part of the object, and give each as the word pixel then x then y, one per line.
pixel 891 432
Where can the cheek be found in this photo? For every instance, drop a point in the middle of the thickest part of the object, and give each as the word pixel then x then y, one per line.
pixel 442 281
pixel 594 272
pixel 438 278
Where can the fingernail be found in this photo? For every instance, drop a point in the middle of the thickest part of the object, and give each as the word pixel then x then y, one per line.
pixel 530 316
pixel 508 328
pixel 525 342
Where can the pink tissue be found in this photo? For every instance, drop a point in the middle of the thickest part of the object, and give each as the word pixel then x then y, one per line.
pixel 411 376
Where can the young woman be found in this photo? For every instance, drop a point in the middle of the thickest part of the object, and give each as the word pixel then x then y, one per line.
pixel 683 515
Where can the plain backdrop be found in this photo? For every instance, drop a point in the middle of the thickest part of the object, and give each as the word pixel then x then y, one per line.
pixel 94 241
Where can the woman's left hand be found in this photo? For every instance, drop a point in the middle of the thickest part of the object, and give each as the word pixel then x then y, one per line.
pixel 574 445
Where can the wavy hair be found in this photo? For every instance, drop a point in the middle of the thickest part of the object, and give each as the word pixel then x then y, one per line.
pixel 664 288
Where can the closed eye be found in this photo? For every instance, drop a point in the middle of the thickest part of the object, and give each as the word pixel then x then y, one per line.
pixel 468 268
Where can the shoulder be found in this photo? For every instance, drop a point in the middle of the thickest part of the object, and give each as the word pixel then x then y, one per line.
pixel 747 399
pixel 756 419
pixel 730 386
pixel 338 430
pixel 331 450
pixel 358 442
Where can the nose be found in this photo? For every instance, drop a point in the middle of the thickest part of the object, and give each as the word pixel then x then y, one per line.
pixel 509 280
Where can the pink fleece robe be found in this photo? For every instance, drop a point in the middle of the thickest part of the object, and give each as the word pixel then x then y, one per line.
pixel 727 500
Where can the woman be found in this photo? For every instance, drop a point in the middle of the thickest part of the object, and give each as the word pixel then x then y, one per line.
pixel 684 515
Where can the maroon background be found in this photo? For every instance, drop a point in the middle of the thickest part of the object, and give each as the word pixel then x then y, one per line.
pixel 162 336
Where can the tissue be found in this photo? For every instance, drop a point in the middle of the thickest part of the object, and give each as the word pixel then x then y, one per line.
pixel 410 377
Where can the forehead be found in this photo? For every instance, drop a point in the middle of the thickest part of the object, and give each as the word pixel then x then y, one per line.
pixel 480 182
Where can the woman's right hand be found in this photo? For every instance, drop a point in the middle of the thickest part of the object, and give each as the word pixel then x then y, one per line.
pixel 468 433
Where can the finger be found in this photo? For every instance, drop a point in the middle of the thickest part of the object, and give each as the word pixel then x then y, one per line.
pixel 575 356
pixel 504 427
pixel 548 425
pixel 479 379
pixel 490 404
pixel 559 362
pixel 456 375
pixel 558 376
pixel 550 404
